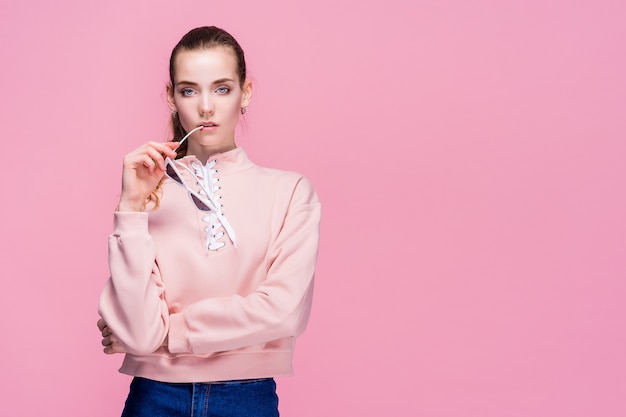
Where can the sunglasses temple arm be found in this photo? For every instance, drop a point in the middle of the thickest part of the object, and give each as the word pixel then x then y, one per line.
pixel 186 136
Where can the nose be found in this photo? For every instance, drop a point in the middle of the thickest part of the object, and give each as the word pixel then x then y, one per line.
pixel 206 105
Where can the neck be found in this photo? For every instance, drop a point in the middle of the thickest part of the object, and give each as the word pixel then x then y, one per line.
pixel 203 152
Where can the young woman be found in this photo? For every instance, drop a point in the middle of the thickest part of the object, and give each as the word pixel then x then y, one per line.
pixel 212 257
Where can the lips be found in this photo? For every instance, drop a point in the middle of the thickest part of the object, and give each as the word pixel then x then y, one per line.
pixel 208 124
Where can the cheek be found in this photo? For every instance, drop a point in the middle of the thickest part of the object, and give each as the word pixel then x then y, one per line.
pixel 186 115
pixel 183 117
pixel 234 110
pixel 188 107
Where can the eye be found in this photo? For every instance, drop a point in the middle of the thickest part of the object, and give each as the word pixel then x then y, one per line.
pixel 186 92
pixel 222 90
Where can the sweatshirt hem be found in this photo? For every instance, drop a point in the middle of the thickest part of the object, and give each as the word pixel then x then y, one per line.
pixel 220 368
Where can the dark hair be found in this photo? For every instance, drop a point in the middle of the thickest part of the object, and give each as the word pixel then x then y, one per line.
pixel 205 37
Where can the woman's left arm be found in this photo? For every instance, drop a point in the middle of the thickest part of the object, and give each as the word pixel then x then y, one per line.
pixel 279 307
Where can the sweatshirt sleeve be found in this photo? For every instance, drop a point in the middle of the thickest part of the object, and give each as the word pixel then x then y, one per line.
pixel 279 307
pixel 132 301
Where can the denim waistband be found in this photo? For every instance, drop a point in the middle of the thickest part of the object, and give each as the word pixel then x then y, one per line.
pixel 236 381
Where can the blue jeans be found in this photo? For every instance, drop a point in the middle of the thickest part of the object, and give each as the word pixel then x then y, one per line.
pixel 254 398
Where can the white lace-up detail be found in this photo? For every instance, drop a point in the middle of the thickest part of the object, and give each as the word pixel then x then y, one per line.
pixel 217 223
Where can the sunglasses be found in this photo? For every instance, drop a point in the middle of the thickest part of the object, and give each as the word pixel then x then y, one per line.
pixel 174 174
pixel 201 202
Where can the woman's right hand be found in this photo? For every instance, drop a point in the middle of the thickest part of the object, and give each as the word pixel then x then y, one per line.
pixel 143 169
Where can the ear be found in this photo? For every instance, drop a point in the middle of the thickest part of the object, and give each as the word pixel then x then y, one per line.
pixel 170 97
pixel 246 97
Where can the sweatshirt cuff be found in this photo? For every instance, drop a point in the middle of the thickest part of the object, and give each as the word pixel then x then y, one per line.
pixel 176 342
pixel 132 223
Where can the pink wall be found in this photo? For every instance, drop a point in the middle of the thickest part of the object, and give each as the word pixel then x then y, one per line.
pixel 469 154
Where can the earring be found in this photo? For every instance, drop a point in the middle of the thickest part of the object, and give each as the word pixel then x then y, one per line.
pixel 244 110
pixel 174 114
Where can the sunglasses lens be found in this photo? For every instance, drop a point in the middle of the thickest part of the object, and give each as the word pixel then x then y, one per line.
pixel 171 172
pixel 199 204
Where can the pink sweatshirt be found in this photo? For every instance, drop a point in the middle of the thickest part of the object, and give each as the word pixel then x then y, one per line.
pixel 197 296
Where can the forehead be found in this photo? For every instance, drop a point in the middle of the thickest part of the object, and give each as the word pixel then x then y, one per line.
pixel 205 65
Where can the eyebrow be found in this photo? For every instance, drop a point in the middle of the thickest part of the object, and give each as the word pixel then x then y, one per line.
pixel 220 81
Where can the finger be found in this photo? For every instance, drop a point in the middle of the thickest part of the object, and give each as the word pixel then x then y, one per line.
pixel 155 151
pixel 157 158
pixel 110 350
pixel 164 148
pixel 101 324
pixel 106 332
pixel 173 146
pixel 169 148
pixel 144 160
pixel 113 347
pixel 107 341
pixel 133 160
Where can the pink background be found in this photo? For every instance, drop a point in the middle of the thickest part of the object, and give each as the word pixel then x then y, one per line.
pixel 469 155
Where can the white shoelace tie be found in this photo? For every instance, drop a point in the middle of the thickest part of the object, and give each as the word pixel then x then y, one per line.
pixel 209 187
